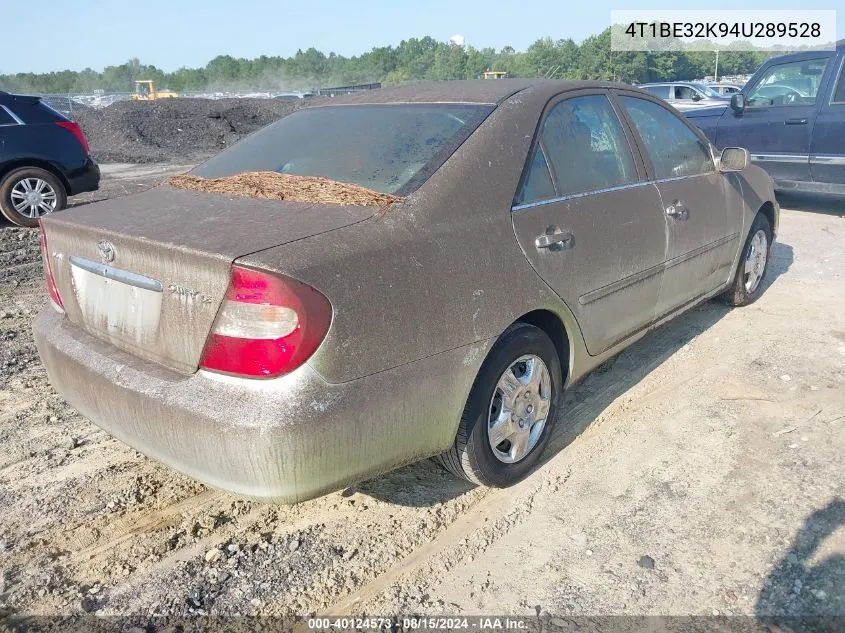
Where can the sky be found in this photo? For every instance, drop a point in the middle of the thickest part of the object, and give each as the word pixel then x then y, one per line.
pixel 174 33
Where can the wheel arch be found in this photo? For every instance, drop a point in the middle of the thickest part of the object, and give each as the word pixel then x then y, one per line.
pixel 555 329
pixel 768 210
pixel 20 163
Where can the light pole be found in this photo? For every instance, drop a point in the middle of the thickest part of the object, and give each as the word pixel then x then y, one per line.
pixel 717 66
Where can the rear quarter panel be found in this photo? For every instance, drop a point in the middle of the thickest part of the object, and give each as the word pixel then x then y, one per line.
pixel 45 142
pixel 441 270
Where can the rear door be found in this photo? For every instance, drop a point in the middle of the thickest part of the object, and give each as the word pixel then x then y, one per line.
pixel 827 148
pixel 777 123
pixel 663 92
pixel 693 195
pixel 588 220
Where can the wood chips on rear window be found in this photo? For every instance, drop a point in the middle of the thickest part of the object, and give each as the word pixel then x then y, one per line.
pixel 275 186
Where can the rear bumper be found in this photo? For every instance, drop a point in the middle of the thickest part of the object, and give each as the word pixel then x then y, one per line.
pixel 86 178
pixel 284 440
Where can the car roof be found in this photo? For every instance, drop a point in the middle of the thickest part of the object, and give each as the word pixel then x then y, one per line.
pixel 480 91
pixel 8 98
pixel 669 83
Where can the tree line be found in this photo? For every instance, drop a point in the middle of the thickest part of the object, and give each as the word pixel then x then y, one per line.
pixel 413 59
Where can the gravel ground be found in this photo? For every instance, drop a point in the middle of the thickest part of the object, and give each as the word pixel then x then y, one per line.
pixel 170 130
pixel 698 473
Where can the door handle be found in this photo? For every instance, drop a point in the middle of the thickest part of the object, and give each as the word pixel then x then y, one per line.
pixel 677 210
pixel 797 121
pixel 555 239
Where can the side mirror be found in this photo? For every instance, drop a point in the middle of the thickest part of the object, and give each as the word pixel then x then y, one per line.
pixel 733 159
pixel 738 102
pixel 696 96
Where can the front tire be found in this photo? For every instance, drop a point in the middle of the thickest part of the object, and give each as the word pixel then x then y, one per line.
pixel 29 193
pixel 510 413
pixel 747 285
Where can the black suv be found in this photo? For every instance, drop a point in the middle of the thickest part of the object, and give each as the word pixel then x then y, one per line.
pixel 44 158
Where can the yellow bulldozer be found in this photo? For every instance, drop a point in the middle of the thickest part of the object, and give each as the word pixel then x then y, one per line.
pixel 145 90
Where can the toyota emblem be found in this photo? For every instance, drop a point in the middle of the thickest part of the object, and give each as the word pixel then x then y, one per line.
pixel 106 249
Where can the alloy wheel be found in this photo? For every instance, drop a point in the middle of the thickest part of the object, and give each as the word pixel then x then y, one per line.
pixel 33 197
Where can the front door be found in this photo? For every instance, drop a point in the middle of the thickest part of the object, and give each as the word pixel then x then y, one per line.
pixel 777 123
pixel 588 221
pixel 700 251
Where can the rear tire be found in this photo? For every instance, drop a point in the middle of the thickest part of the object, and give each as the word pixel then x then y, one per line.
pixel 525 360
pixel 50 195
pixel 747 285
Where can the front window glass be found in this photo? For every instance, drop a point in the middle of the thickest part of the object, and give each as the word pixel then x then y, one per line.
pixel 795 83
pixel 684 93
pixel 387 148
pixel 673 148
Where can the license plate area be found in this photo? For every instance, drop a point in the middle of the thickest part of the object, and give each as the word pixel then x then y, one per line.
pixel 121 305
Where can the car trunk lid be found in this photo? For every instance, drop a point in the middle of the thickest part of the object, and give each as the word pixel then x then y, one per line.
pixel 147 273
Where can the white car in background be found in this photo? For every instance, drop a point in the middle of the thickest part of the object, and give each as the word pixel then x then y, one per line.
pixel 726 90
pixel 685 95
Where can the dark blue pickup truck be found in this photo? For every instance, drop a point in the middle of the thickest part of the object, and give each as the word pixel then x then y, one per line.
pixel 790 116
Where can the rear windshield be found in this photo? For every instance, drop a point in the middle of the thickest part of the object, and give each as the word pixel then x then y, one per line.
pixel 387 148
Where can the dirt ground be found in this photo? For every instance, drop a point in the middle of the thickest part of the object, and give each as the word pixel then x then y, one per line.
pixel 701 472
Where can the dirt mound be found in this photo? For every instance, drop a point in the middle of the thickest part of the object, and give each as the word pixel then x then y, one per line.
pixel 174 130
pixel 275 186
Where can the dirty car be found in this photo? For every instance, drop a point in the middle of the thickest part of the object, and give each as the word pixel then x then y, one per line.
pixel 282 349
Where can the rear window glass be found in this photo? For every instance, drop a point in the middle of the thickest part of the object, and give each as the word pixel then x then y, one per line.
pixel 387 148
pixel 586 145
pixel 839 95
pixel 5 117
pixel 663 92
pixel 538 181
pixel 30 110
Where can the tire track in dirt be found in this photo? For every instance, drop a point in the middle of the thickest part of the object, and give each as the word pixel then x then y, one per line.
pixel 460 530
pixel 11 406
pixel 133 591
pixel 122 529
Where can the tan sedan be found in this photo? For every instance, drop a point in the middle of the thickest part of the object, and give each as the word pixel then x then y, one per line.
pixel 499 240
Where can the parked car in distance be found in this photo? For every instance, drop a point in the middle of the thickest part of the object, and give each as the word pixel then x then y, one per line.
pixel 290 96
pixel 684 95
pixel 44 158
pixel 791 118
pixel 725 90
pixel 288 349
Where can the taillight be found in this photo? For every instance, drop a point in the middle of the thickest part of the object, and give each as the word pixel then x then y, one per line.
pixel 267 326
pixel 74 129
pixel 52 290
